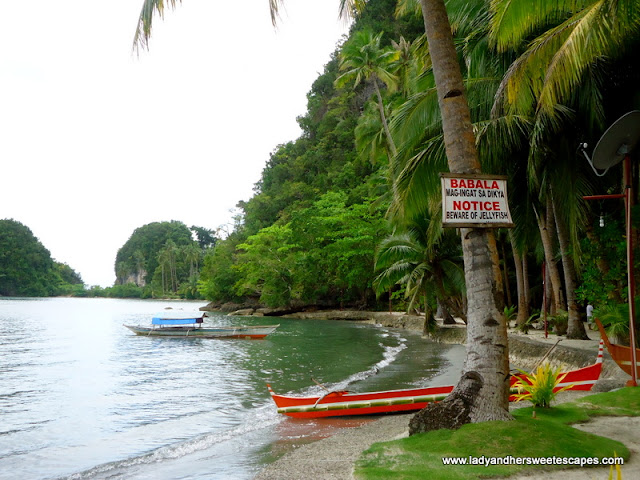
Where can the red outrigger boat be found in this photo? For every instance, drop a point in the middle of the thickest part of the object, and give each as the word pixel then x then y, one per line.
pixel 340 403
pixel 621 354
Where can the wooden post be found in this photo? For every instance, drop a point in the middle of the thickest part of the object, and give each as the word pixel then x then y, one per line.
pixel 631 284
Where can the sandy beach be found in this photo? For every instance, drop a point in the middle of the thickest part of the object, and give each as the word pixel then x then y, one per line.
pixel 334 457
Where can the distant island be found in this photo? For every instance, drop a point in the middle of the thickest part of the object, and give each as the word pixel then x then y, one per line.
pixel 160 260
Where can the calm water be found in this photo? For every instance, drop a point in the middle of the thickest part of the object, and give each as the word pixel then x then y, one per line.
pixel 83 397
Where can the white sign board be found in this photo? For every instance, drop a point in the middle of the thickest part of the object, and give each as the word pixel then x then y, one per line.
pixel 477 201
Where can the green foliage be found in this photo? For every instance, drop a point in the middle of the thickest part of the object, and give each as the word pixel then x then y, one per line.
pixel 69 290
pixel 615 320
pixel 206 238
pixel 128 290
pixel 164 256
pixel 536 85
pixel 538 387
pixel 140 252
pixel 604 266
pixel 265 266
pixel 26 266
pixel 68 275
pixel 309 232
pixel 560 322
pixel 218 277
pixel 510 313
pixel 528 323
pixel 338 241
pixel 426 260
pixel 363 58
pixel 324 254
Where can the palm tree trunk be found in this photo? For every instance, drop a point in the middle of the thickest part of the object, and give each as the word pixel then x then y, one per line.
pixel 544 225
pixel 483 390
pixel 525 280
pixel 523 305
pixel 383 119
pixel 505 272
pixel 447 318
pixel 559 300
pixel 575 328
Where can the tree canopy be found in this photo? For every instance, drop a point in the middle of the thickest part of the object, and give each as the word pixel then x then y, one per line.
pixel 26 266
pixel 164 257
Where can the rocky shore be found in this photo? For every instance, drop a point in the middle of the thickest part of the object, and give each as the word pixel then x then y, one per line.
pixel 334 457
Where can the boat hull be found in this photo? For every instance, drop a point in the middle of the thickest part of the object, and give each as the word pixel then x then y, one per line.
pixel 344 403
pixel 246 332
pixel 341 403
pixel 619 353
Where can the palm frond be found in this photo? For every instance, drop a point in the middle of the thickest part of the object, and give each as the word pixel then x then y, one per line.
pixel 417 185
pixel 468 16
pixel 555 62
pixel 413 117
pixel 512 21
pixel 510 132
pixel 349 9
pixel 601 31
pixel 369 136
pixel 407 7
pixel 145 21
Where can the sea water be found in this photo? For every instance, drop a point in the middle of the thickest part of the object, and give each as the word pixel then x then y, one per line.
pixel 82 397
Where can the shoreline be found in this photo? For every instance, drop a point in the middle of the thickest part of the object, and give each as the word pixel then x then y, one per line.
pixel 334 457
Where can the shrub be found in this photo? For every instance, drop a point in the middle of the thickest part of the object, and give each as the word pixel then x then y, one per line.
pixel 539 387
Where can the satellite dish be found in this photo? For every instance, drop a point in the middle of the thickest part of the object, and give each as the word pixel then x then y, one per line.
pixel 619 140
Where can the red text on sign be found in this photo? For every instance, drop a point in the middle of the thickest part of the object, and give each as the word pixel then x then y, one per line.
pixel 475 205
pixel 472 183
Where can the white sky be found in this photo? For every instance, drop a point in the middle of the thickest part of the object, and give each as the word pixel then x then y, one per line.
pixel 96 141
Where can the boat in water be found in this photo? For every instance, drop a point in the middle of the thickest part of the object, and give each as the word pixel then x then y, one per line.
pixel 339 403
pixel 192 326
pixel 620 354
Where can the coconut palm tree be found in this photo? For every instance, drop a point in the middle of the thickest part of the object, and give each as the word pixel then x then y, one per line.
pixel 430 268
pixel 556 62
pixel 487 368
pixel 487 347
pixel 404 64
pixel 192 254
pixel 164 262
pixel 363 59
pixel 167 259
pixel 574 47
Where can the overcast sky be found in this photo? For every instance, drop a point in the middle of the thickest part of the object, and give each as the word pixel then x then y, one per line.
pixel 96 141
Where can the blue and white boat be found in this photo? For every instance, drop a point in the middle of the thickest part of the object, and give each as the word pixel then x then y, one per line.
pixel 192 325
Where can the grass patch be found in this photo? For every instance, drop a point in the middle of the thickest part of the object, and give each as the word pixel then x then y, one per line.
pixel 548 435
pixel 623 402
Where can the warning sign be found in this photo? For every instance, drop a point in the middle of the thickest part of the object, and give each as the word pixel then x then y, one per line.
pixel 478 201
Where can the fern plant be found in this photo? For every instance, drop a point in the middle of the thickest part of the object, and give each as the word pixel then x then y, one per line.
pixel 528 323
pixel 615 319
pixel 510 313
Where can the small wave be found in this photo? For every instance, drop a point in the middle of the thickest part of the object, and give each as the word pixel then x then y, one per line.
pixel 262 417
pixel 389 355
